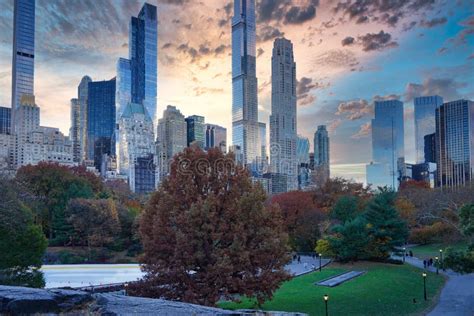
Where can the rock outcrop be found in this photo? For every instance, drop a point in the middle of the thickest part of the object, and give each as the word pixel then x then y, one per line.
pixel 25 301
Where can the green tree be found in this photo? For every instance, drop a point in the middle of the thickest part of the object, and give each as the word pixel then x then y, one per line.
pixel 207 234
pixel 22 243
pixel 459 260
pixel 386 230
pixel 466 221
pixel 345 209
pixel 349 240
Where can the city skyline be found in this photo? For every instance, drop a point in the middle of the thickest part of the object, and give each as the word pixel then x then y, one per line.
pixel 346 111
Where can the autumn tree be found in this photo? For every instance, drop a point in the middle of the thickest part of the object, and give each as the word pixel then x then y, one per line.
pixel 301 219
pixel 22 243
pixel 94 221
pixel 207 234
pixel 54 185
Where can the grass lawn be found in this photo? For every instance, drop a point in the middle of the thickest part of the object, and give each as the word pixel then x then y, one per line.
pixel 432 250
pixel 384 290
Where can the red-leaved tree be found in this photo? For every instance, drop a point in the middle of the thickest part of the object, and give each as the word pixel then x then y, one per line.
pixel 207 234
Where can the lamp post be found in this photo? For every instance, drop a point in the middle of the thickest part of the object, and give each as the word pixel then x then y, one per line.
pixel 326 299
pixel 320 256
pixel 404 252
pixel 424 285
pixel 125 288
pixel 437 265
pixel 441 258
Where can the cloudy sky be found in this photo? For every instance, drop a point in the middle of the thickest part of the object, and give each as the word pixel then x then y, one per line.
pixel 348 53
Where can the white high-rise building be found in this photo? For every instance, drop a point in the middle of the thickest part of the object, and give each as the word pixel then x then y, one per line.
pixel 136 139
pixel 35 143
pixel 283 126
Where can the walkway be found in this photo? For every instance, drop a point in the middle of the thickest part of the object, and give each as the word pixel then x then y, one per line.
pixel 306 265
pixel 457 296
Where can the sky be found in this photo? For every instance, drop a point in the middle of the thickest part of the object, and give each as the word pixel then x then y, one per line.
pixel 348 54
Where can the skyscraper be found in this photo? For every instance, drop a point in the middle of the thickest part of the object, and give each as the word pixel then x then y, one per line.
pixel 388 145
pixel 171 137
pixel 321 156
pixel 23 51
pixel 123 94
pixel 455 143
pixel 82 96
pixel 137 147
pixel 216 136
pixel 74 130
pixel 245 127
pixel 425 108
pixel 100 120
pixel 143 52
pixel 430 147
pixel 283 129
pixel 195 130
pixel 5 120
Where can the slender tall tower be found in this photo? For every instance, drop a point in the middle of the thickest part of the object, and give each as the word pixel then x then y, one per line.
pixel 283 136
pixel 245 126
pixel 143 50
pixel 23 66
pixel 321 156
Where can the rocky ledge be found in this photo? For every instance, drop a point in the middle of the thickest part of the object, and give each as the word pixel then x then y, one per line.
pixel 24 301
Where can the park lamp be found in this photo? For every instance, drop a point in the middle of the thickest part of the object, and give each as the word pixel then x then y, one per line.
pixel 326 297
pixel 320 254
pixel 424 274
pixel 436 258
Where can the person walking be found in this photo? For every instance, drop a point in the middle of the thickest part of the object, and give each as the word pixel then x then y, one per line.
pixel 424 264
pixel 299 259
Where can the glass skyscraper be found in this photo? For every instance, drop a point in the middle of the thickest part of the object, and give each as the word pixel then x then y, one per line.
pixel 195 130
pixel 100 120
pixel 23 51
pixel 455 143
pixel 425 108
pixel 5 120
pixel 123 95
pixel 216 136
pixel 283 136
pixel 388 145
pixel 245 127
pixel 143 52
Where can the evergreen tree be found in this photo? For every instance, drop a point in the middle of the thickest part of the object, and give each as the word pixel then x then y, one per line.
pixel 386 230
pixel 349 240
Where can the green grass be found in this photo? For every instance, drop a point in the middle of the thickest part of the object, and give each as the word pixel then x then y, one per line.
pixel 383 290
pixel 432 250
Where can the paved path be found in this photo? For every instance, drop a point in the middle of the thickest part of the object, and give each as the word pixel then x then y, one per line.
pixel 306 265
pixel 457 296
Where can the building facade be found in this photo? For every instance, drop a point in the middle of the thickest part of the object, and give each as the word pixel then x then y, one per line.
pixel 143 53
pixel 5 120
pixel 425 109
pixel 215 137
pixel 82 96
pixel 171 138
pixel 388 145
pixel 35 143
pixel 245 127
pixel 195 130
pixel 23 66
pixel 321 170
pixel 74 130
pixel 455 143
pixel 283 125
pixel 100 120
pixel 137 142
pixel 302 154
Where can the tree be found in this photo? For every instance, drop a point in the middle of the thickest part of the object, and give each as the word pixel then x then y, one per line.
pixel 349 240
pixel 466 219
pixel 460 261
pixel 386 230
pixel 346 208
pixel 22 243
pixel 54 185
pixel 326 197
pixel 207 234
pixel 301 219
pixel 94 221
